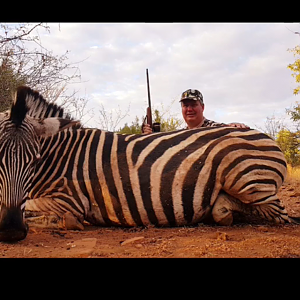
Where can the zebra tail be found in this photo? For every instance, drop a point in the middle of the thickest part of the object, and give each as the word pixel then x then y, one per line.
pixel 294 220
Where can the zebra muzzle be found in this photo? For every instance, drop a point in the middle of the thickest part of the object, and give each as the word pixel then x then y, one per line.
pixel 12 226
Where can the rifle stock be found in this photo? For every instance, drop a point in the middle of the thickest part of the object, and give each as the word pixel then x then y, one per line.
pixel 156 126
pixel 149 116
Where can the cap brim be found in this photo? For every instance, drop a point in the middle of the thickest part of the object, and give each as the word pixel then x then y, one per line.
pixel 189 99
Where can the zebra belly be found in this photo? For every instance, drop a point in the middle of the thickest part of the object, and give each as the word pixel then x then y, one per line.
pixel 112 214
pixel 163 186
pixel 163 195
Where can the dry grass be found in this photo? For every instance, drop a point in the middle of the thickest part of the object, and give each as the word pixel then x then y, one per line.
pixel 293 174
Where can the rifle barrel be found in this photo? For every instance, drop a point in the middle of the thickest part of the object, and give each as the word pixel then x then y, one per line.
pixel 148 89
pixel 149 111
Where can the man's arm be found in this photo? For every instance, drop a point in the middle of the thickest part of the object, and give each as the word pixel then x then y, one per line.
pixel 210 123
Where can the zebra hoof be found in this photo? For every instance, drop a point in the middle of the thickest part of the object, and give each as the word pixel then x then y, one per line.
pixel 223 217
pixel 71 222
pixel 221 212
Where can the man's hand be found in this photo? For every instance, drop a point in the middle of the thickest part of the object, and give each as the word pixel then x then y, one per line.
pixel 146 129
pixel 238 125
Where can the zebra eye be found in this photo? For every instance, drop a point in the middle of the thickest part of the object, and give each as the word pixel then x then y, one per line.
pixel 36 159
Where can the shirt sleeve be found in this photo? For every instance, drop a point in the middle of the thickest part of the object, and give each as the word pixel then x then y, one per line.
pixel 211 123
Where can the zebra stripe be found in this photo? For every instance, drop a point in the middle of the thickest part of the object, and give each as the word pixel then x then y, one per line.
pixel 16 157
pixel 165 179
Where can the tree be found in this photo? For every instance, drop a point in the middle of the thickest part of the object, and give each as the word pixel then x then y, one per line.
pixel 289 143
pixel 169 124
pixel 24 60
pixel 134 128
pixel 294 114
pixel 9 81
pixel 109 120
pixel 272 126
pixel 295 67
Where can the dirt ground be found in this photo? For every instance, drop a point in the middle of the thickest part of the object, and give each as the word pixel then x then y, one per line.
pixel 201 241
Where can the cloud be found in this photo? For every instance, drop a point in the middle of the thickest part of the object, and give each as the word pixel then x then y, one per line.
pixel 241 69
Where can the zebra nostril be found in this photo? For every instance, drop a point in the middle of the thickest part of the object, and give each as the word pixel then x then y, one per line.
pixel 13 235
pixel 12 226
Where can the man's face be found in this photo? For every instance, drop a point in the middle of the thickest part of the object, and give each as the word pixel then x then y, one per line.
pixel 192 112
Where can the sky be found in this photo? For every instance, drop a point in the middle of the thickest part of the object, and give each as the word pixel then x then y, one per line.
pixel 240 68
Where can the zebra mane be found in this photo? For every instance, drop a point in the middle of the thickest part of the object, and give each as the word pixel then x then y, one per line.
pixel 37 106
pixel 19 109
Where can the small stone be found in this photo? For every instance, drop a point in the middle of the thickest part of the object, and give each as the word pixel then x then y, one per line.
pixel 222 236
pixel 262 228
pixel 88 242
pixel 295 194
pixel 132 240
pixel 83 247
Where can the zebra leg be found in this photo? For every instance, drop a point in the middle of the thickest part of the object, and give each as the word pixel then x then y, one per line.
pixel 262 203
pixel 52 214
pixel 272 210
pixel 224 207
pixel 269 210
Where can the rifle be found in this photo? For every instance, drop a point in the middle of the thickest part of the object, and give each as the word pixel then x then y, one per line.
pixel 155 126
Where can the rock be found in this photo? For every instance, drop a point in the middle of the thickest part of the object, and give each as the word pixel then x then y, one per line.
pixel 132 240
pixel 88 242
pixel 295 194
pixel 222 236
pixel 83 247
pixel 262 228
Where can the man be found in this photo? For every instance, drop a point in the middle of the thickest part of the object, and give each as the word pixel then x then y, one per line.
pixel 192 107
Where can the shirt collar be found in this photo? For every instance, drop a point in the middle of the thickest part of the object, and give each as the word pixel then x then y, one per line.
pixel 199 125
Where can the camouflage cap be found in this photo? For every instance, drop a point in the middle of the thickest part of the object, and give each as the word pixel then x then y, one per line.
pixel 193 95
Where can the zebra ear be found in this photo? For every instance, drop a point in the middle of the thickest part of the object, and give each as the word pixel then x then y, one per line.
pixel 50 126
pixel 19 108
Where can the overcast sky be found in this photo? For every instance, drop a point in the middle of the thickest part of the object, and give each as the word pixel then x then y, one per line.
pixel 240 68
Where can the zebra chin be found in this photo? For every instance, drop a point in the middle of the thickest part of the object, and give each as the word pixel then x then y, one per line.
pixel 12 226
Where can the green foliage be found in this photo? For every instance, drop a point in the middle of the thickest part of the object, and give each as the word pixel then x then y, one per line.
pixel 295 67
pixel 295 112
pixel 24 60
pixel 169 124
pixel 289 143
pixel 9 81
pixel 166 125
pixel 134 128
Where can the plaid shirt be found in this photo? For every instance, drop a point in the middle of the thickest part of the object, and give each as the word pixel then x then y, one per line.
pixel 209 123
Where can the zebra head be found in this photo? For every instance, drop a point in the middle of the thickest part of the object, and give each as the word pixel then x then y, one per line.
pixel 19 153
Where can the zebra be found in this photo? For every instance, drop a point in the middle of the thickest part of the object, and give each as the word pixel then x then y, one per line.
pixel 177 178
pixel 19 154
